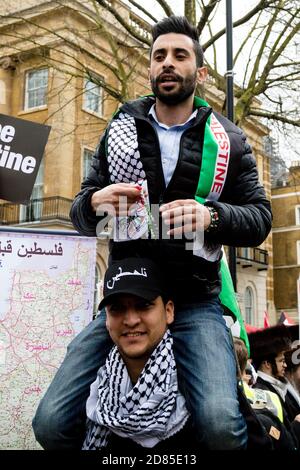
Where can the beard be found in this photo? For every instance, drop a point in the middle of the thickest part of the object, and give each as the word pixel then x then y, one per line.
pixel 276 374
pixel 186 89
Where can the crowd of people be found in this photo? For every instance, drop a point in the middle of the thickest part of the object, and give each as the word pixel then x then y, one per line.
pixel 271 382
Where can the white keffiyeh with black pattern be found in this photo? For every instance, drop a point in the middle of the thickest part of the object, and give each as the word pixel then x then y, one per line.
pixel 123 156
pixel 148 412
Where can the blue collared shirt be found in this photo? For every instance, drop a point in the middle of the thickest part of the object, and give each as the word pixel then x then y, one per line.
pixel 169 141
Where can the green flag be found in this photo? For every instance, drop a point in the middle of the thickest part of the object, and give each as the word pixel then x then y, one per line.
pixel 208 172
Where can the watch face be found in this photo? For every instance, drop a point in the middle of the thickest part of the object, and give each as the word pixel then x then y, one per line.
pixel 214 218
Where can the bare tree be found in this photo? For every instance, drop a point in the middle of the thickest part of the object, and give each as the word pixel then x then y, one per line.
pixel 121 57
pixel 272 69
pixel 267 88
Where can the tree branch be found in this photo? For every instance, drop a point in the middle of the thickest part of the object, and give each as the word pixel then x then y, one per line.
pixel 208 23
pixel 248 37
pixel 78 69
pixel 283 78
pixel 260 6
pixel 275 54
pixel 137 5
pixel 279 102
pixel 167 9
pixel 286 64
pixel 113 69
pixel 263 45
pixel 206 12
pixel 274 116
pixel 220 81
pixel 190 11
pixel 131 30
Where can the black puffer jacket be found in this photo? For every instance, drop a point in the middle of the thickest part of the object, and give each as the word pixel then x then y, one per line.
pixel 292 425
pixel 244 212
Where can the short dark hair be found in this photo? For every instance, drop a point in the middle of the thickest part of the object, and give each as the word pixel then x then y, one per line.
pixel 241 353
pixel 179 25
pixel 267 343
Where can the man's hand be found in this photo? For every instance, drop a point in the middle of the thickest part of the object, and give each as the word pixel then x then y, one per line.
pixel 116 199
pixel 187 215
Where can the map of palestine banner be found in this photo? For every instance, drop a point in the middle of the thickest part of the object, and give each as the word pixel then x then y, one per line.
pixel 46 298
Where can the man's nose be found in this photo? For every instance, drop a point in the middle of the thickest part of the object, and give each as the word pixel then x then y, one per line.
pixel 131 318
pixel 168 62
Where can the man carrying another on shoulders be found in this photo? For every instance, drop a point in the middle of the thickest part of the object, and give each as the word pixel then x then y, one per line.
pixel 200 170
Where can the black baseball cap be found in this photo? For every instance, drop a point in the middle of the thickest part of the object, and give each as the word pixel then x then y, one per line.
pixel 135 276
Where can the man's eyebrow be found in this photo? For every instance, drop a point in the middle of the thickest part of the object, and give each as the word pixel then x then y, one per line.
pixel 181 49
pixel 114 304
pixel 177 49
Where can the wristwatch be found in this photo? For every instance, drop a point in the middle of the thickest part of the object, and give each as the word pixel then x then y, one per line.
pixel 214 219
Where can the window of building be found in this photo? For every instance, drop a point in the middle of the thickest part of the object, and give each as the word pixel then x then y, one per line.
pixel 297 215
pixel 93 97
pixel 249 305
pixel 33 210
pixel 36 88
pixel 245 252
pixel 2 92
pixel 298 252
pixel 86 162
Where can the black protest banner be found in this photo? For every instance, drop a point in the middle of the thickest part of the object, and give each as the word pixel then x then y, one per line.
pixel 22 145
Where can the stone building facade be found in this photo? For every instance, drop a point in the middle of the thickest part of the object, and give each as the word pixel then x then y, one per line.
pixel 286 243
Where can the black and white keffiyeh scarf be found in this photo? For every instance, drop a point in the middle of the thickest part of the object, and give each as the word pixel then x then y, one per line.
pixel 123 156
pixel 148 412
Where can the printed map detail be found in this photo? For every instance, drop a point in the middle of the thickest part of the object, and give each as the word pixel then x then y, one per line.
pixel 46 298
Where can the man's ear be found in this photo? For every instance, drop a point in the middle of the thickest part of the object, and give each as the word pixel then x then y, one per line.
pixel 169 312
pixel 149 76
pixel 202 74
pixel 267 365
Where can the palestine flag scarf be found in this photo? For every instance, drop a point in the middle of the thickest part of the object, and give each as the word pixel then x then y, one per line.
pixel 213 172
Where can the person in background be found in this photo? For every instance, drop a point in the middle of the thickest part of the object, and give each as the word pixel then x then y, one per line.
pixel 250 375
pixel 268 348
pixel 292 375
pixel 265 404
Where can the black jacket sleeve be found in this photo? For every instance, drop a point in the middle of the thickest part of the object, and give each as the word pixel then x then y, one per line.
pixel 82 215
pixel 295 425
pixel 245 218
